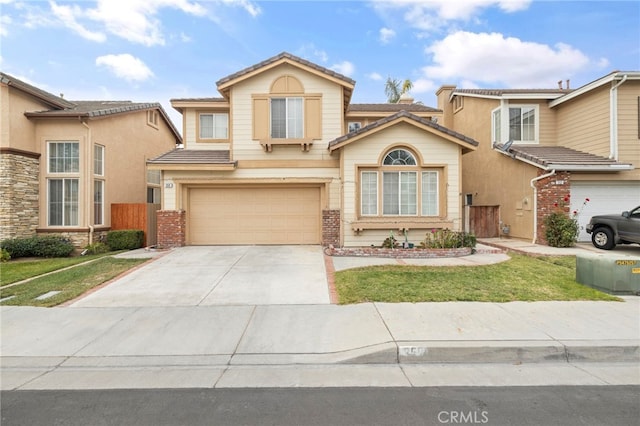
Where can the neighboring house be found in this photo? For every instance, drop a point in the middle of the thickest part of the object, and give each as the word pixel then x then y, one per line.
pixel 63 163
pixel 539 146
pixel 273 161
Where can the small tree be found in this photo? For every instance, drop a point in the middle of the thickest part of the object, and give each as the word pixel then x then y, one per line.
pixel 395 88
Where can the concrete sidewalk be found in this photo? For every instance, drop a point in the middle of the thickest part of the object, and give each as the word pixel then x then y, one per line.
pixel 98 347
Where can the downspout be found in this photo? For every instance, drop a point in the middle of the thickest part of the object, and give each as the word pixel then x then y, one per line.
pixel 88 186
pixel 613 114
pixel 535 202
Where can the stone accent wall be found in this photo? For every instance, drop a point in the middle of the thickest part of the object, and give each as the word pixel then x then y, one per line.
pixel 172 226
pixel 551 190
pixel 19 186
pixel 399 253
pixel 330 228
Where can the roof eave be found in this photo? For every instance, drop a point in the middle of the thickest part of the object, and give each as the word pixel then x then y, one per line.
pixel 616 75
pixel 168 165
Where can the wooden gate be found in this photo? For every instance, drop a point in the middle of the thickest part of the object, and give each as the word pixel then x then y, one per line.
pixel 136 216
pixel 484 221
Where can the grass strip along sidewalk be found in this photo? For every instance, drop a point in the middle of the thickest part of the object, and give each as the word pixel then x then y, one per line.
pixel 523 278
pixel 69 283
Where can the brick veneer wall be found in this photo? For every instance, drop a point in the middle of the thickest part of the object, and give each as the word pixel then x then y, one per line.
pixel 330 227
pixel 171 228
pixel 551 190
pixel 19 186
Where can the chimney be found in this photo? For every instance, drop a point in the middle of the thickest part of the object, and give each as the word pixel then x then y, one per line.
pixel 405 99
pixel 560 84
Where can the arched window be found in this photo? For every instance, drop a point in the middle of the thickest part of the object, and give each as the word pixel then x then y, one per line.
pixel 399 157
pixel 399 187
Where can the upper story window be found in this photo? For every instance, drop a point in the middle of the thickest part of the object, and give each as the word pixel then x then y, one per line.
pixel 64 157
pixel 521 125
pixel 153 118
pixel 354 126
pixel 458 102
pixel 286 118
pixel 399 157
pixel 98 160
pixel 214 125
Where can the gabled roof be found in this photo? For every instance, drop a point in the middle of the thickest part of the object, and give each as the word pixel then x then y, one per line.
pixel 467 143
pixel 562 158
pixel 388 107
pixel 62 108
pixel 286 58
pixel 615 76
pixel 46 97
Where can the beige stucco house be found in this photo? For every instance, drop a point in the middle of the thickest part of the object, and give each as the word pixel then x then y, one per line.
pixel 539 146
pixel 63 163
pixel 283 157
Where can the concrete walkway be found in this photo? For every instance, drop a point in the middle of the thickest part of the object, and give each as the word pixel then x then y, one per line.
pixel 272 345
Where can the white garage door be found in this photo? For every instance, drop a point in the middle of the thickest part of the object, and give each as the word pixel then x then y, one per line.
pixel 604 198
pixel 254 215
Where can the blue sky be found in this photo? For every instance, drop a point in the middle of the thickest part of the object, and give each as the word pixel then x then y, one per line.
pixel 156 50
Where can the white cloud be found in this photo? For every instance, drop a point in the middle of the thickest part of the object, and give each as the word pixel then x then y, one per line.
pixel 67 16
pixel 386 34
pixel 344 68
pixel 125 66
pixel 5 21
pixel 250 7
pixel 374 76
pixel 311 52
pixel 423 85
pixel 496 59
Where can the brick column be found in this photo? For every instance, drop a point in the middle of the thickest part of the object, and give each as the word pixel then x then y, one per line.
pixel 331 227
pixel 551 191
pixel 171 228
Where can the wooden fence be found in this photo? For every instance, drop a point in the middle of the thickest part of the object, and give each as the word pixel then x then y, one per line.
pixel 484 221
pixel 136 216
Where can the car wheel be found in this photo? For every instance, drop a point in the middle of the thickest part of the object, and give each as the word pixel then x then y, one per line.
pixel 602 238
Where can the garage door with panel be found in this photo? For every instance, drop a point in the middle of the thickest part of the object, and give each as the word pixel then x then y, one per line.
pixel 254 215
pixel 604 198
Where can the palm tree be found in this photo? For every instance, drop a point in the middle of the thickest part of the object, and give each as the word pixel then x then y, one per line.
pixel 395 88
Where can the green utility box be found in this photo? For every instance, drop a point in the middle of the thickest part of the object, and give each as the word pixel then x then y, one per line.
pixel 609 273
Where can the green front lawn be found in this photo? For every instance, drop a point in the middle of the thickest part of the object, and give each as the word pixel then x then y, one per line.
pixel 71 283
pixel 18 270
pixel 522 278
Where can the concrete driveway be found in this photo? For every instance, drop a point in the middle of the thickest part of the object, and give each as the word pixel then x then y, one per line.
pixel 221 275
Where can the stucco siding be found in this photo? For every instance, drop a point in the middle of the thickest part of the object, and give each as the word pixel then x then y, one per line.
pixel 17 131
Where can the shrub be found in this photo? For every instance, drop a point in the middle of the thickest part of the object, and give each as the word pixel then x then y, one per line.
pixel 127 239
pixel 4 256
pixel 49 246
pixel 561 230
pixel 390 241
pixel 52 246
pixel 445 238
pixel 97 248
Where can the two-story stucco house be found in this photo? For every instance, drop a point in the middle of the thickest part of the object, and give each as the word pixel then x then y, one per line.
pixel 63 163
pixel 538 147
pixel 283 157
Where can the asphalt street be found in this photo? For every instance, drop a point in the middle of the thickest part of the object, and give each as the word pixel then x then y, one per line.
pixel 524 406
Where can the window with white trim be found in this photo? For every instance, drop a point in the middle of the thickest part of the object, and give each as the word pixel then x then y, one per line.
pixel 98 160
pixel 98 202
pixel 287 118
pixel 214 125
pixel 521 124
pixel 63 158
pixel 401 186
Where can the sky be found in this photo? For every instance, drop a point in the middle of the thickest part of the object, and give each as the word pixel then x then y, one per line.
pixel 157 50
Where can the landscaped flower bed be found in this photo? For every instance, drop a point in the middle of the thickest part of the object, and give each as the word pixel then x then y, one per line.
pixel 414 253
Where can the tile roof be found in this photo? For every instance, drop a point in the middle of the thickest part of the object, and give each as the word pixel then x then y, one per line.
pixel 193 156
pixel 502 92
pixel 46 97
pixel 562 158
pixel 97 108
pixel 285 55
pixel 387 107
pixel 401 114
pixel 218 99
